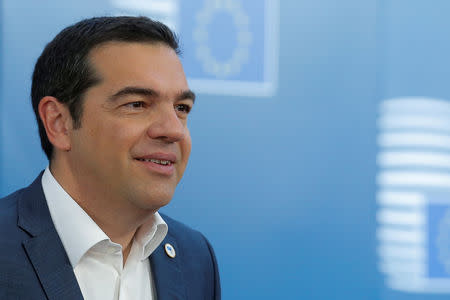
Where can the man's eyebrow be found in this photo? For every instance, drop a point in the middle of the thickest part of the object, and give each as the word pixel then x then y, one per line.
pixel 187 95
pixel 132 90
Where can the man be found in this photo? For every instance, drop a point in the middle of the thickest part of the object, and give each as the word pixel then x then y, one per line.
pixel 112 103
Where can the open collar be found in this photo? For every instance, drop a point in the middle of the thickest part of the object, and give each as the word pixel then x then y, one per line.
pixel 52 265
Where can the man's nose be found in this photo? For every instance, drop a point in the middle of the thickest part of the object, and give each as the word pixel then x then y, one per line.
pixel 166 125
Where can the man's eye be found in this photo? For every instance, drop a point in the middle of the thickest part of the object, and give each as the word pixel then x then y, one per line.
pixel 183 108
pixel 136 104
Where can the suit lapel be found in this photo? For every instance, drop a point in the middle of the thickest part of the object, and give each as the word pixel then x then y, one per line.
pixel 167 273
pixel 44 247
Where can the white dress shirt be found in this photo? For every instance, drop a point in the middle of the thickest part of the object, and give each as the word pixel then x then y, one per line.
pixel 96 260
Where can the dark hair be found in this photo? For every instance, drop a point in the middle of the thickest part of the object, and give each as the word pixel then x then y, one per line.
pixel 63 70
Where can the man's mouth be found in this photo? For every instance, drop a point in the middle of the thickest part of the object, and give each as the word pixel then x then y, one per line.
pixel 156 161
pixel 159 162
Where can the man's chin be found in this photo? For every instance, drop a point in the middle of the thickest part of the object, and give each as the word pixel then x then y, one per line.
pixel 155 201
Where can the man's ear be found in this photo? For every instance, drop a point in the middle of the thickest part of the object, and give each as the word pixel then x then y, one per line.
pixel 57 122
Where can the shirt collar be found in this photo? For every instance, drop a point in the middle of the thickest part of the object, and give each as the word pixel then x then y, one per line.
pixel 150 235
pixel 79 233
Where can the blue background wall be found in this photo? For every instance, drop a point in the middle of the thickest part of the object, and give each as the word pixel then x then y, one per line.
pixel 282 185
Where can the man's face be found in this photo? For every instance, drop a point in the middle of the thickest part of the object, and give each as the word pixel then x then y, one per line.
pixel 133 144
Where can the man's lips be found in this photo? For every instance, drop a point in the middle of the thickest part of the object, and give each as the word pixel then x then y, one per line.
pixel 162 163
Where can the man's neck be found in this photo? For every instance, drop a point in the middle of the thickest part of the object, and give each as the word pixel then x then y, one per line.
pixel 119 223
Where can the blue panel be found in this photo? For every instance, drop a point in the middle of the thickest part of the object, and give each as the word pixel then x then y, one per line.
pixel 222 33
pixel 439 240
pixel 231 41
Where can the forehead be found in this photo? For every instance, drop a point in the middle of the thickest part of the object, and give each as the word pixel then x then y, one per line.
pixel 154 65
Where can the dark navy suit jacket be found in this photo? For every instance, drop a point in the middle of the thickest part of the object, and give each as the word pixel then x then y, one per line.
pixel 34 264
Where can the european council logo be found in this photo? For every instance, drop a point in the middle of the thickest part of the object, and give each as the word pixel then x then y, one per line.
pixel 229 47
pixel 414 194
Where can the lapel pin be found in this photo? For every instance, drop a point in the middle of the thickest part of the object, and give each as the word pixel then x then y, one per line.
pixel 170 251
